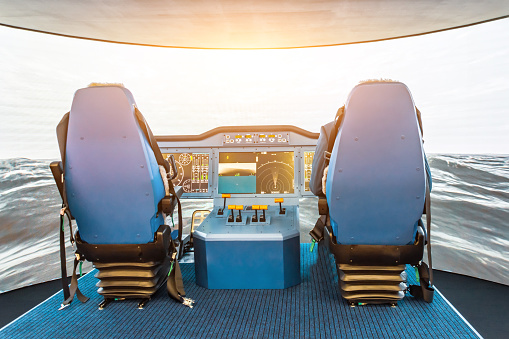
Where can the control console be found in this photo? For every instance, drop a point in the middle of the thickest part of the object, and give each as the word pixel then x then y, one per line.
pixel 248 247
pixel 256 175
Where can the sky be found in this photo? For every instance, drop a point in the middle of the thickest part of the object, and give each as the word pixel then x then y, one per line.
pixel 459 80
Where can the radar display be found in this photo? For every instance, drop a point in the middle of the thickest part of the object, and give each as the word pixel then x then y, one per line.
pixel 193 171
pixel 256 172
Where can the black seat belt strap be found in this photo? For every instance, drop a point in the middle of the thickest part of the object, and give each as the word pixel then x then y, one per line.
pixel 74 289
pixel 63 265
pixel 425 290
pixel 175 283
pixel 340 115
pixel 69 292
pixel 317 232
pixel 62 142
pixel 427 280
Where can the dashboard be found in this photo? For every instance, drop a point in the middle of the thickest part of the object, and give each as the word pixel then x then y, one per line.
pixel 244 161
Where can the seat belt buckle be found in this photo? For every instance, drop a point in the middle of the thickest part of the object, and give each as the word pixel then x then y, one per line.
pixel 188 302
pixel 317 232
pixel 62 306
pixel 316 236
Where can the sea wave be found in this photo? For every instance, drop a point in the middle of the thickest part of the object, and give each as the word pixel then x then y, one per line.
pixel 470 206
pixel 470 226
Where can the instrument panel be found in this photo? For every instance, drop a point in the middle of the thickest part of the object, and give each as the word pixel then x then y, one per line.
pixel 192 171
pixel 262 162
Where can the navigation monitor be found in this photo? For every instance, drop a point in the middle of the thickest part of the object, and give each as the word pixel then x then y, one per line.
pixel 256 172
pixel 193 171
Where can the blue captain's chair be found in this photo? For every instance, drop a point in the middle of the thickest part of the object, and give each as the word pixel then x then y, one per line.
pixel 114 183
pixel 376 190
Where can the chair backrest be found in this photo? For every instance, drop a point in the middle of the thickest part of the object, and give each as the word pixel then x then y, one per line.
pixel 112 178
pixel 376 180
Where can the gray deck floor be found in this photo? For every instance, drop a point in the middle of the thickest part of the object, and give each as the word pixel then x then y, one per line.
pixel 314 309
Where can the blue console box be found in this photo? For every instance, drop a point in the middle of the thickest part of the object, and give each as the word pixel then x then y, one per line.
pixel 247 254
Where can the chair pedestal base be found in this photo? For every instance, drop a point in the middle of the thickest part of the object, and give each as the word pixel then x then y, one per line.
pixel 373 274
pixel 131 280
pixel 129 271
pixel 372 284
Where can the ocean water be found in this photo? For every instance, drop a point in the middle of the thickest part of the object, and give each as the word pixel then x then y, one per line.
pixel 470 219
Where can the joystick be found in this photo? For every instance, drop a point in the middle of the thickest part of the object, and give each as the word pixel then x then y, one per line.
pixel 281 209
pixel 239 217
pixel 221 210
pixel 262 217
pixel 255 216
pixel 230 216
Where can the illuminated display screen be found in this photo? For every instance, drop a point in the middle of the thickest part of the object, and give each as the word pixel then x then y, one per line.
pixel 308 164
pixel 193 171
pixel 256 172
